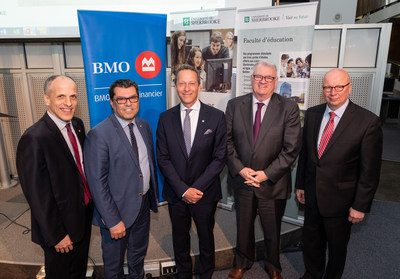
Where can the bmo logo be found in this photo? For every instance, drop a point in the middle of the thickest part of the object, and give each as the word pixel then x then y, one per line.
pixel 148 64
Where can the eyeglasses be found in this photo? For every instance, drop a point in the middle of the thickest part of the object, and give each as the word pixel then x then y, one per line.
pixel 266 78
pixel 338 88
pixel 121 100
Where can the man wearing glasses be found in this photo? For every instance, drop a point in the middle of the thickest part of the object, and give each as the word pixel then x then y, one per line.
pixel 120 169
pixel 263 142
pixel 337 176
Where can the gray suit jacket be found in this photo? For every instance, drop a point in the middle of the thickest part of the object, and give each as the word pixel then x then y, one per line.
pixel 277 146
pixel 113 172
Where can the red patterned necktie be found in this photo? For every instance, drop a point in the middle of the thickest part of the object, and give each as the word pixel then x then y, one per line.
pixel 326 135
pixel 78 163
pixel 257 122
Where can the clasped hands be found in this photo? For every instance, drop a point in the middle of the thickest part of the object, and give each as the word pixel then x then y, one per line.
pixel 252 177
pixel 192 195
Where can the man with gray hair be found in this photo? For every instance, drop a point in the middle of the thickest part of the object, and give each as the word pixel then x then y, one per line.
pixel 263 142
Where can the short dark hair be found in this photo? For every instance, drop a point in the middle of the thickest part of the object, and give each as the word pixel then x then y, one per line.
pixel 187 67
pixel 216 37
pixel 124 83
pixel 284 56
pixel 299 59
pixel 49 81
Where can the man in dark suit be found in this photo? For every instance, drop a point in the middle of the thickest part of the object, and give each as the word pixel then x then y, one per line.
pixel 120 168
pixel 49 164
pixel 263 142
pixel 337 175
pixel 191 152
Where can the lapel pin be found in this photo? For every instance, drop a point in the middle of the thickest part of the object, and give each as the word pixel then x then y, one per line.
pixel 202 121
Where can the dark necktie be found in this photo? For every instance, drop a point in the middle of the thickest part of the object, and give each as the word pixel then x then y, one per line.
pixel 78 163
pixel 326 135
pixel 257 122
pixel 133 140
pixel 187 131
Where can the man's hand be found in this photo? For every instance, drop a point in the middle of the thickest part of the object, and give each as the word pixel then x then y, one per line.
pixel 355 216
pixel 192 195
pixel 252 177
pixel 300 196
pixel 118 231
pixel 65 245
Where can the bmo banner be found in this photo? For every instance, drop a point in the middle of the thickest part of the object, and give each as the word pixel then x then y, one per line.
pixel 119 45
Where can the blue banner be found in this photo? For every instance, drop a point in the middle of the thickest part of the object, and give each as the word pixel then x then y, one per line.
pixel 120 45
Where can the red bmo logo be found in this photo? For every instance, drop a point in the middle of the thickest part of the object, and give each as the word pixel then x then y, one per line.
pixel 148 64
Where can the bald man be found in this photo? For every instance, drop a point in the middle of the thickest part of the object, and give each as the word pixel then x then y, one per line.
pixel 337 175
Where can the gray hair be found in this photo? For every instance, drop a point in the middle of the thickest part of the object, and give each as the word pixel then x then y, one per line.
pixel 265 64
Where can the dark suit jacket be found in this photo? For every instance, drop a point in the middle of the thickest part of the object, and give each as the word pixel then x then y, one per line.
pixel 113 173
pixel 347 174
pixel 51 182
pixel 207 157
pixel 277 146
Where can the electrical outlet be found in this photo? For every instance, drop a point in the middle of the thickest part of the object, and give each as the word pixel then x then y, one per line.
pixel 168 268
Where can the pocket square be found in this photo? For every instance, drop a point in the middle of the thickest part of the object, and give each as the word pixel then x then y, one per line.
pixel 209 131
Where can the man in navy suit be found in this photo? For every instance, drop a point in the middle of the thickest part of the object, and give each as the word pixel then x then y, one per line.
pixel 191 152
pixel 337 176
pixel 120 168
pixel 52 181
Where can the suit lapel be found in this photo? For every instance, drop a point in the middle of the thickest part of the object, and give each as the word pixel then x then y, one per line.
pixel 316 127
pixel 176 124
pixel 202 125
pixel 246 109
pixel 124 139
pixel 79 131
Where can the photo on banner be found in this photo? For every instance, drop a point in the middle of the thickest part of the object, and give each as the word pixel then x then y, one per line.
pixel 282 35
pixel 205 40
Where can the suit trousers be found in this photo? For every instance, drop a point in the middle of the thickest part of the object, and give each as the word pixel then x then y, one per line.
pixel 135 243
pixel 181 215
pixel 318 232
pixel 247 205
pixel 74 263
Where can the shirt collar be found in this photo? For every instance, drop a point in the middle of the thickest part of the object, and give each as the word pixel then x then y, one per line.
pixel 196 106
pixel 255 101
pixel 60 123
pixel 339 112
pixel 124 122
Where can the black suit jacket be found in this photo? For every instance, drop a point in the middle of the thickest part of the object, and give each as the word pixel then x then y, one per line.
pixel 277 146
pixel 347 174
pixel 201 169
pixel 51 182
